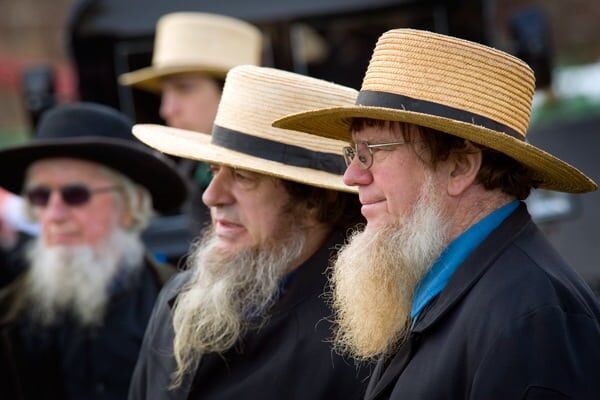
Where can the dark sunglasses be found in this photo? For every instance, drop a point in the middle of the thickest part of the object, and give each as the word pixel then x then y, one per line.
pixel 72 195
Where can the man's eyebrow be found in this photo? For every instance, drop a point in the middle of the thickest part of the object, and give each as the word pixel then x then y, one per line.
pixel 355 137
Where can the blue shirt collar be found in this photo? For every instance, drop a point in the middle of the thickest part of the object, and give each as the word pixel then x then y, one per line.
pixel 453 256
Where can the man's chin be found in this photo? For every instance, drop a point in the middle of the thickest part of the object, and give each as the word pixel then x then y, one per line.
pixel 384 222
pixel 376 225
pixel 229 246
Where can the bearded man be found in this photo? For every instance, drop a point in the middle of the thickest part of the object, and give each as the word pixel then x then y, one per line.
pixel 451 285
pixel 247 319
pixel 73 319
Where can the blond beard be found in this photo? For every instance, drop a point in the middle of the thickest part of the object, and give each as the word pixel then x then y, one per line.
pixel 75 280
pixel 228 294
pixel 375 275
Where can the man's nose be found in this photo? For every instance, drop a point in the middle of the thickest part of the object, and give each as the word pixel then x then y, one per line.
pixel 355 175
pixel 56 209
pixel 218 192
pixel 168 105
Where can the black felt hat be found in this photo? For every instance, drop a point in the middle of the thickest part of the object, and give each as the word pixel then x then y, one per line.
pixel 97 133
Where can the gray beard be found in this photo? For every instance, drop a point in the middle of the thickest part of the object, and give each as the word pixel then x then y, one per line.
pixel 375 276
pixel 75 280
pixel 227 295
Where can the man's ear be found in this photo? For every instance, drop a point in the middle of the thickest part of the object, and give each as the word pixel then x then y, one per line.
pixel 126 221
pixel 463 169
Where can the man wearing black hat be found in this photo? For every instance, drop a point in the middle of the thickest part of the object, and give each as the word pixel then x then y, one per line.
pixel 73 320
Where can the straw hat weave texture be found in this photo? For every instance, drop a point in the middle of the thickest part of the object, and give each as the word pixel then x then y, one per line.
pixel 258 95
pixel 197 42
pixel 451 85
pixel 469 76
pixel 244 138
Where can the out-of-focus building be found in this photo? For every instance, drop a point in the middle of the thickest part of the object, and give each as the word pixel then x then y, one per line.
pixel 35 32
pixel 31 33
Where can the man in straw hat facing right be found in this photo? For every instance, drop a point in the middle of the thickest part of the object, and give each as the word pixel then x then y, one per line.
pixel 192 54
pixel 451 285
pixel 247 319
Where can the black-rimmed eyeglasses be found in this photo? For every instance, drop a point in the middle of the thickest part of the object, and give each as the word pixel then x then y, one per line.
pixel 365 151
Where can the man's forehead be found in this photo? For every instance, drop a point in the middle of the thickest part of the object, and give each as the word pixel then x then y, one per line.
pixel 244 170
pixel 385 131
pixel 375 133
pixel 68 168
pixel 183 78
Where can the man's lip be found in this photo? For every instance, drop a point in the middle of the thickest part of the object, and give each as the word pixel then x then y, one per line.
pixel 62 234
pixel 371 209
pixel 227 227
pixel 61 238
pixel 226 222
pixel 228 230
pixel 369 202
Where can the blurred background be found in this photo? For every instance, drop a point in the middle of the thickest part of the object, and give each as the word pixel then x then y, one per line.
pixel 55 51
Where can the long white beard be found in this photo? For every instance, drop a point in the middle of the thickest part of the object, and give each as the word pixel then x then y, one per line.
pixel 75 280
pixel 227 295
pixel 375 275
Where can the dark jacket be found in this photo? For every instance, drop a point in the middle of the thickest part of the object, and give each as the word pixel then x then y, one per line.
pixel 71 362
pixel 288 358
pixel 514 322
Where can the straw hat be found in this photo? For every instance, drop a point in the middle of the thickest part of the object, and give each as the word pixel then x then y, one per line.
pixel 243 137
pixel 452 85
pixel 197 42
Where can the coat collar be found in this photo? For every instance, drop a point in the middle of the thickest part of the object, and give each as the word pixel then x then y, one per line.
pixel 473 268
pixel 465 277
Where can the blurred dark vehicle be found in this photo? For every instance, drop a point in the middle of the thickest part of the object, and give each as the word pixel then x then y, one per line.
pixel 576 235
pixel 327 39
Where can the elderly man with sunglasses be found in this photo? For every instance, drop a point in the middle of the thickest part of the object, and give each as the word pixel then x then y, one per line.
pixel 79 296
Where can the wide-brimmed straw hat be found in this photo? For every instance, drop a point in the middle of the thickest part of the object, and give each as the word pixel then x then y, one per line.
pixel 197 42
pixel 451 85
pixel 97 133
pixel 243 137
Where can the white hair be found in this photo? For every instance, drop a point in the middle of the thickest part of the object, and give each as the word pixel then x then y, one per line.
pixel 76 280
pixel 137 199
pixel 228 294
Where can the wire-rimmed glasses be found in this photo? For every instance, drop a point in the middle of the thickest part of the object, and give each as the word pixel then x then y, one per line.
pixel 365 151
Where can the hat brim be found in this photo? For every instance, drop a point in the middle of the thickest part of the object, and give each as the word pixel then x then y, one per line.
pixel 143 166
pixel 198 146
pixel 149 78
pixel 553 173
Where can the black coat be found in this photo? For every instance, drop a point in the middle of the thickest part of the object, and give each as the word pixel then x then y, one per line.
pixel 71 362
pixel 288 358
pixel 514 322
